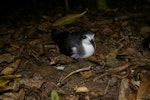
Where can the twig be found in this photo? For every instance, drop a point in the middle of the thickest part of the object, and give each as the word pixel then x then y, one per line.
pixel 106 90
pixel 118 69
pixel 96 78
pixel 76 71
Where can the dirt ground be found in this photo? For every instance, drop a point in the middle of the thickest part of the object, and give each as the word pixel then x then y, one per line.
pixel 32 67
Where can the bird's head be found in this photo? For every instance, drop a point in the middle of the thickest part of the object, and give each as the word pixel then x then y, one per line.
pixel 88 38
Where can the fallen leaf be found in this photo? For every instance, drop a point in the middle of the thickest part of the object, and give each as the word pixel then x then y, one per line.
pixel 30 31
pixel 115 52
pixel 60 67
pixel 86 74
pixel 68 19
pixel 11 68
pixel 43 27
pixel 5 88
pixel 4 80
pixel 144 89
pixel 125 92
pixel 14 45
pixel 21 94
pixel 8 71
pixel 112 61
pixel 13 95
pixel 6 57
pixel 82 89
pixel 145 29
pixel 32 83
pixel 54 95
pixel 35 42
pixel 130 52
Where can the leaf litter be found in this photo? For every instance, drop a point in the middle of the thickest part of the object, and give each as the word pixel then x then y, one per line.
pixel 119 68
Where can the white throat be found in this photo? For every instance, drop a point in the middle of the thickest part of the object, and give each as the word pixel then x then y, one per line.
pixel 88 49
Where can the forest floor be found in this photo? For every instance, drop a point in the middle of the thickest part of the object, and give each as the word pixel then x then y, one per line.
pixel 32 68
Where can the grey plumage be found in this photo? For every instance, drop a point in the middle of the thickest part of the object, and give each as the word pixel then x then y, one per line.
pixel 74 44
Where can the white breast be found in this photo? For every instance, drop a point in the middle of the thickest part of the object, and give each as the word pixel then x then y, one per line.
pixel 84 50
pixel 88 49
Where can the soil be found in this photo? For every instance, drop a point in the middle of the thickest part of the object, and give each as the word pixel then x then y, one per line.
pixel 113 72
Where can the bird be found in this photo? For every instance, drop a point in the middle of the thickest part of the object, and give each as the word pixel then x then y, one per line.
pixel 78 45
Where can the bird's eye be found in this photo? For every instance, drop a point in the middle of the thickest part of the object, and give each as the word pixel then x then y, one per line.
pixel 84 37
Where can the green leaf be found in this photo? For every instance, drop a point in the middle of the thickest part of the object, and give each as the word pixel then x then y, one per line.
pixel 54 95
pixel 68 19
pixel 4 80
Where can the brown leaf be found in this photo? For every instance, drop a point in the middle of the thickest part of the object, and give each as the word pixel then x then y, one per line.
pixel 32 83
pixel 125 92
pixel 130 52
pixel 82 89
pixel 6 57
pixel 11 68
pixel 43 27
pixel 144 31
pixel 21 94
pixel 68 19
pixel 13 95
pixel 5 88
pixel 144 89
pixel 124 66
pixel 112 61
pixel 8 71
pixel 86 74
pixel 35 42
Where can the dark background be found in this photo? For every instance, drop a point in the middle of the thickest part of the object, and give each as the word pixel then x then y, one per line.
pixel 8 7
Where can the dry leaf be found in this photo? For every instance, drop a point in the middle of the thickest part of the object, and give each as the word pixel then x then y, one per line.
pixel 5 88
pixel 144 89
pixel 32 83
pixel 11 68
pixel 35 42
pixel 60 67
pixel 86 74
pixel 145 29
pixel 82 89
pixel 43 27
pixel 125 92
pixel 7 78
pixel 68 19
pixel 112 61
pixel 14 45
pixel 6 57
pixel 130 52
pixel 13 95
pixel 115 52
pixel 21 94
pixel 8 71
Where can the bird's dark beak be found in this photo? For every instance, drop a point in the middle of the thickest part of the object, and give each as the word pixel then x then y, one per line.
pixel 93 43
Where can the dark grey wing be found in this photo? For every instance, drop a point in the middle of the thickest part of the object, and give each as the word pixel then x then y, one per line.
pixel 71 40
pixel 56 34
pixel 66 40
pixel 62 40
